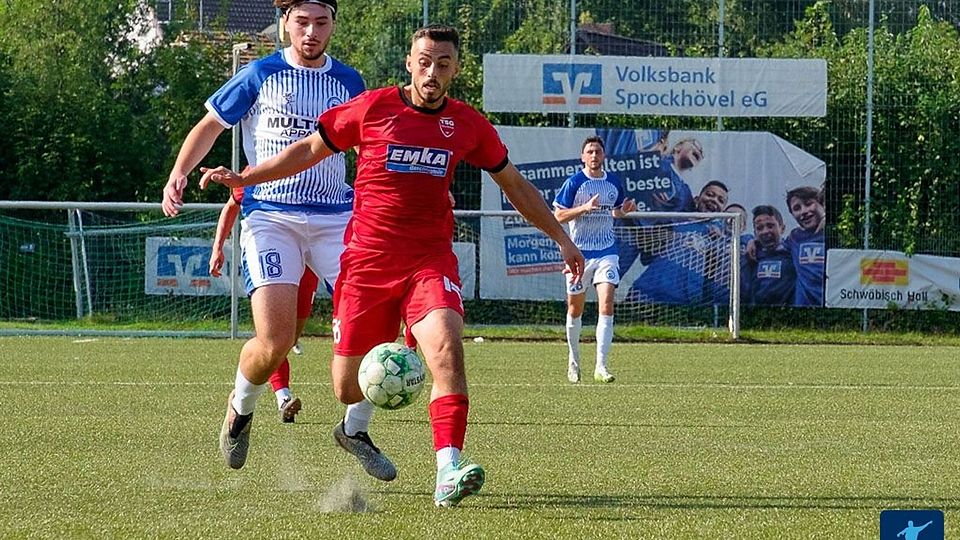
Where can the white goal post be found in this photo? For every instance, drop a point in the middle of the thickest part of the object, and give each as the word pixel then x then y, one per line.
pixel 94 267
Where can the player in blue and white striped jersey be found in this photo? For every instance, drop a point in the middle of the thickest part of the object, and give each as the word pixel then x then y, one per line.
pixel 589 201
pixel 291 223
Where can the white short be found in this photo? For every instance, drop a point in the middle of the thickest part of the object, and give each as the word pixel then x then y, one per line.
pixel 277 245
pixel 604 269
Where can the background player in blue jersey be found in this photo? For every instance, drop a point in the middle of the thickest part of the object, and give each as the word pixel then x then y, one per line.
pixel 685 264
pixel 589 200
pixel 770 276
pixel 806 244
pixel 291 222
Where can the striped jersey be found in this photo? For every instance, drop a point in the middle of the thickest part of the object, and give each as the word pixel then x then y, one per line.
pixel 592 232
pixel 277 102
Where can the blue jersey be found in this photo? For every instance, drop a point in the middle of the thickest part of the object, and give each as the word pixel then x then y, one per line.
pixel 277 103
pixel 772 278
pixel 809 252
pixel 692 267
pixel 592 232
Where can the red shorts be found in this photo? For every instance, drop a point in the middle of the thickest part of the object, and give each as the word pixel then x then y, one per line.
pixel 376 291
pixel 306 292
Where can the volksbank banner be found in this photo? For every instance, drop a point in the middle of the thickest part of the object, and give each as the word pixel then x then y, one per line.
pixel 655 85
pixel 180 267
pixel 885 279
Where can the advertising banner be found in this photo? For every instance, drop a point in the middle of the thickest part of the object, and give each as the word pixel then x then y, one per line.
pixel 890 279
pixel 733 87
pixel 179 266
pixel 665 172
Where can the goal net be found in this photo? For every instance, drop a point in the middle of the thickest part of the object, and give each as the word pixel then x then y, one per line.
pixel 117 265
pixel 126 266
pixel 677 270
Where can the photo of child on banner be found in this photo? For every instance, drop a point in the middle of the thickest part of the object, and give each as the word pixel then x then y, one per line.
pixel 691 264
pixel 664 171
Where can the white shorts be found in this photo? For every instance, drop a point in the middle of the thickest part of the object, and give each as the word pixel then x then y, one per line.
pixel 278 245
pixel 604 269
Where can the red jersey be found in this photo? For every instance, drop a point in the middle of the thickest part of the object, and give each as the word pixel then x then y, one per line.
pixel 406 159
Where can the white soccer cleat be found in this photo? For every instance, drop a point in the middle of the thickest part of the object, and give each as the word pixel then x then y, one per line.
pixel 573 373
pixel 289 410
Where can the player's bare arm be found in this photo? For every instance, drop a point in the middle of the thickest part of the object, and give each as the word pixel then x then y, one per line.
pixel 197 144
pixel 228 215
pixel 528 201
pixel 297 157
pixel 564 215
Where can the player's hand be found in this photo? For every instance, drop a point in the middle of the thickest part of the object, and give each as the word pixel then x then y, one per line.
pixel 752 250
pixel 629 205
pixel 592 204
pixel 572 260
pixel 220 175
pixel 662 198
pixel 173 195
pixel 216 262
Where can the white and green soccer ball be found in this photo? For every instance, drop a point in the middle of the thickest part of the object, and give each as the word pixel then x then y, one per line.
pixel 391 376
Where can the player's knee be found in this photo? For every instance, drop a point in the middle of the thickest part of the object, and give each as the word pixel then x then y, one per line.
pixel 347 392
pixel 276 347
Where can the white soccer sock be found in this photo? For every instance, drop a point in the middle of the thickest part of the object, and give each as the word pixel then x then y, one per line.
pixel 245 394
pixel 604 339
pixel 283 394
pixel 447 456
pixel 573 338
pixel 357 418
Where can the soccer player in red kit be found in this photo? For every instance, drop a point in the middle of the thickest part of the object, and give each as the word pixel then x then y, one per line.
pixel 399 263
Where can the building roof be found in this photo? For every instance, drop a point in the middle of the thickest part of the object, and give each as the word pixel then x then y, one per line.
pixel 242 16
pixel 599 39
pixel 248 16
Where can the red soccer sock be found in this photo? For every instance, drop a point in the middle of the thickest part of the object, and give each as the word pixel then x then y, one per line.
pixel 448 418
pixel 281 377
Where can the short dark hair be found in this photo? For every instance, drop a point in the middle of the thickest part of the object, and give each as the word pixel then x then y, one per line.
pixel 717 183
pixel 592 139
pixel 767 210
pixel 286 5
pixel 804 193
pixel 735 205
pixel 438 32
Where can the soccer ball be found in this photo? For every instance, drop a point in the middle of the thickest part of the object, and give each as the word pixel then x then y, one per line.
pixel 391 376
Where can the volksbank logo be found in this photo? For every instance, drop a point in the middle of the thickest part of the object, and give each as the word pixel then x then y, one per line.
pixel 572 83
pixel 769 270
pixel 417 159
pixel 183 264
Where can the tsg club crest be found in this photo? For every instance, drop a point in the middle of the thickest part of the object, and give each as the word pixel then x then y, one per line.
pixel 333 101
pixel 289 97
pixel 446 126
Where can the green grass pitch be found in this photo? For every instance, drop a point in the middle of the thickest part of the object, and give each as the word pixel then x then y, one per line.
pixel 115 438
